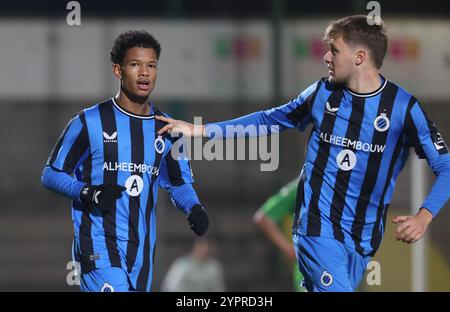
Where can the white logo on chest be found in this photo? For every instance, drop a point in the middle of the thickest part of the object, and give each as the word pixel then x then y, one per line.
pixel 381 123
pixel 134 185
pixel 110 138
pixel 331 110
pixel 159 145
pixel 346 160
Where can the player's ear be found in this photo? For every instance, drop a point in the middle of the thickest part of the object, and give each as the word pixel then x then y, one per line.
pixel 117 71
pixel 360 56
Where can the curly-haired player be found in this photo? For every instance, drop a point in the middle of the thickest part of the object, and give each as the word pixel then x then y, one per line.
pixel 118 161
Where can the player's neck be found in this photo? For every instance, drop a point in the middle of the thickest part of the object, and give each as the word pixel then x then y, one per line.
pixel 135 107
pixel 364 82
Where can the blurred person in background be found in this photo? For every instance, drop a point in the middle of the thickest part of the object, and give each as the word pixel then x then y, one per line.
pixel 275 218
pixel 118 162
pixel 199 271
pixel 363 126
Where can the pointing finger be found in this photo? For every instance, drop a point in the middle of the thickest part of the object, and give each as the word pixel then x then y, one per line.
pixel 165 119
pixel 398 219
pixel 165 128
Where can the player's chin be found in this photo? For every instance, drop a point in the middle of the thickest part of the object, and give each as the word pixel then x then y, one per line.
pixel 138 96
pixel 143 93
pixel 335 80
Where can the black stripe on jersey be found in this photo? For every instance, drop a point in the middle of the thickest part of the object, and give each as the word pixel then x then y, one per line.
pixel 298 114
pixel 174 171
pixel 296 221
pixel 110 156
pixel 373 166
pixel 78 148
pixel 87 164
pixel 411 131
pixel 320 163
pixel 144 273
pixel 343 177
pixel 153 255
pixel 86 244
pixel 376 232
pixel 57 147
pixel 299 201
pixel 173 166
pixel 137 157
pixel 386 208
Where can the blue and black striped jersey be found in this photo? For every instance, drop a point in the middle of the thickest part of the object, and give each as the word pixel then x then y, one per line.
pixel 358 145
pixel 105 144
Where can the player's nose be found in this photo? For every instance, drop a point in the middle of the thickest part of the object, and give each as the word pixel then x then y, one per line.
pixel 143 71
pixel 327 57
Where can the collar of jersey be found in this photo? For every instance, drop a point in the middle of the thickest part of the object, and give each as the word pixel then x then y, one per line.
pixel 376 92
pixel 151 116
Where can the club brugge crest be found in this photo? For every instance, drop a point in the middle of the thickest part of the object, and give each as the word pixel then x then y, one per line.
pixel 159 145
pixel 381 123
pixel 326 279
pixel 107 288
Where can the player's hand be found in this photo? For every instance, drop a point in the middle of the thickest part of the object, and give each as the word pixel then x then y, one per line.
pixel 180 127
pixel 198 220
pixel 101 196
pixel 412 228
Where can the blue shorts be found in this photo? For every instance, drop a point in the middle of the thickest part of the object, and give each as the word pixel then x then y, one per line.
pixel 328 265
pixel 106 280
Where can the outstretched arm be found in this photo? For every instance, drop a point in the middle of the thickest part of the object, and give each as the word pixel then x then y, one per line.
pixel 175 127
pixel 295 113
pixel 255 124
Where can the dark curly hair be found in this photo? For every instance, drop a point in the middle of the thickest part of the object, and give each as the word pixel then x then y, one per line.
pixel 131 39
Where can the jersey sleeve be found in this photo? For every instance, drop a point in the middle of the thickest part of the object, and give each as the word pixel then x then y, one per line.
pixel 71 149
pixel 72 146
pixel 61 183
pixel 294 114
pixel 422 134
pixel 176 177
pixel 282 203
pixel 175 171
